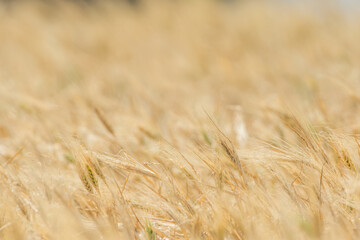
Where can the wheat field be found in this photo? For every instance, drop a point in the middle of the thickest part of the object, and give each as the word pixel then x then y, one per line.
pixel 179 120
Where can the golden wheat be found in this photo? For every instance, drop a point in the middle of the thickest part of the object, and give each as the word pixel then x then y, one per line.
pixel 185 120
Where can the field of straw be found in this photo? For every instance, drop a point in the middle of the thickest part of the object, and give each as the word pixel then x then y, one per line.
pixel 182 120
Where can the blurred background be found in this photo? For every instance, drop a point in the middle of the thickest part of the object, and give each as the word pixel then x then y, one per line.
pixel 146 57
